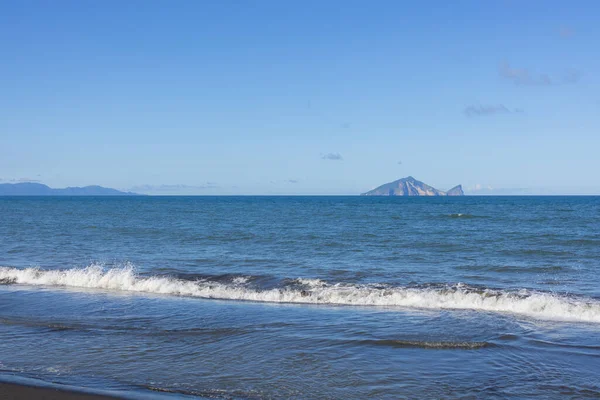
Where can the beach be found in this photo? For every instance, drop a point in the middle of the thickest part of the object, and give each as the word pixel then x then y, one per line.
pixel 11 391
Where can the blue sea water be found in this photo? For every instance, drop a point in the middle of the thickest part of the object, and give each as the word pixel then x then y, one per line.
pixel 304 297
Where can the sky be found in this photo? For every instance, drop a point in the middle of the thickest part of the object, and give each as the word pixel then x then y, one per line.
pixel 301 97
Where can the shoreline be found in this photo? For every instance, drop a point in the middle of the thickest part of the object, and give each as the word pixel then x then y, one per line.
pixel 19 391
pixel 15 387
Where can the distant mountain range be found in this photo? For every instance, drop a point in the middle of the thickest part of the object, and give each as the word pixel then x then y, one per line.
pixel 409 186
pixel 37 189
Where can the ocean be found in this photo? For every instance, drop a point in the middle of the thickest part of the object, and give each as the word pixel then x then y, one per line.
pixel 303 297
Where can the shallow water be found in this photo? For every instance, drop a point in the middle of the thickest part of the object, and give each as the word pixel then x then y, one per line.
pixel 304 297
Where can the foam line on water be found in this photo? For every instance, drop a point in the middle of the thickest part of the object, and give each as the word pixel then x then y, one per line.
pixel 533 304
pixel 427 345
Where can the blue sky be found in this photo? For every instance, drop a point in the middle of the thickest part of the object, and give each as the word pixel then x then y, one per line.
pixel 311 97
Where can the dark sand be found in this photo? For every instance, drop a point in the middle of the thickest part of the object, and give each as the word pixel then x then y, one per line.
pixel 11 391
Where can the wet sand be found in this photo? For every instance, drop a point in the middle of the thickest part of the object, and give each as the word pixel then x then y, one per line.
pixel 11 391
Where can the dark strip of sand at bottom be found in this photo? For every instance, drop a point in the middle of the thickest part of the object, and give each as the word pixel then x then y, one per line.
pixel 11 391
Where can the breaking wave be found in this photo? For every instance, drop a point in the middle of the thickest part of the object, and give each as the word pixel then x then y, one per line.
pixel 312 291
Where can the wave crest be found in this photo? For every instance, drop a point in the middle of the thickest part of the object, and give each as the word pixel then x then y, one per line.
pixel 533 304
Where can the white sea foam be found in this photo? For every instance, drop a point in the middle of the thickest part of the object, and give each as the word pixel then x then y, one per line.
pixel 312 283
pixel 240 280
pixel 532 304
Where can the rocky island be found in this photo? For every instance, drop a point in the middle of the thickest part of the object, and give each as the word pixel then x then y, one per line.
pixel 409 186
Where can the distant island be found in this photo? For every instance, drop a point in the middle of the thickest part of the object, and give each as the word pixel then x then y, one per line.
pixel 38 189
pixel 409 186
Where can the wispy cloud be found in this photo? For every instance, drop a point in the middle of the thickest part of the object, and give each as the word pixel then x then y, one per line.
pixel 174 189
pixel 20 180
pixel 478 110
pixel 523 77
pixel 479 187
pixel 332 156
pixel 286 181
pixel 486 190
pixel 571 76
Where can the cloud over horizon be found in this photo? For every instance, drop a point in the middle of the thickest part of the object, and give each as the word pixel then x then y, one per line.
pixel 173 189
pixel 285 181
pixel 20 180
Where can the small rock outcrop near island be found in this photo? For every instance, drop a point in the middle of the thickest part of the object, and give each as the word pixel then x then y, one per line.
pixel 455 191
pixel 409 186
